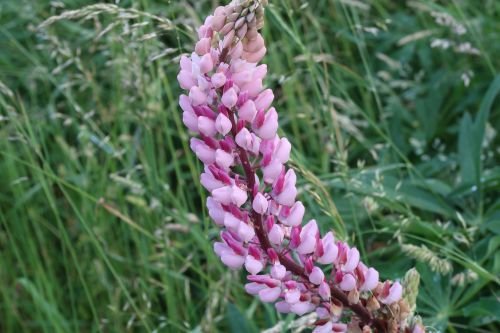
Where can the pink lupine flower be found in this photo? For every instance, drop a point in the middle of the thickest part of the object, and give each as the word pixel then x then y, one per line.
pixel 253 191
pixel 391 294
pixel 260 203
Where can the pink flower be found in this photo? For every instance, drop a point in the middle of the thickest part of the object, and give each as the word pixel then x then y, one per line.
pixel 218 80
pixel 264 100
pixel 223 124
pixel 260 203
pixel 308 238
pixel 370 279
pixel 247 111
pixel 229 98
pixel 206 64
pixel 391 294
pixel 269 295
pixel 317 276
pixel 246 232
pixel 197 96
pixel 265 125
pixel 295 216
pixel 348 282
pixel 352 260
pixel 202 151
pixel 329 249
pixel 253 265
pixel 203 46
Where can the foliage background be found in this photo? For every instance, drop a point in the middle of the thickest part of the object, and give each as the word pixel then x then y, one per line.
pixel 391 109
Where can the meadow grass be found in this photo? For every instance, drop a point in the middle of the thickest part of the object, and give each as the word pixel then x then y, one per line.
pixel 392 109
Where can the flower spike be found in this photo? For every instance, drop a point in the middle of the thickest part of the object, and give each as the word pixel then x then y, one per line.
pixel 253 194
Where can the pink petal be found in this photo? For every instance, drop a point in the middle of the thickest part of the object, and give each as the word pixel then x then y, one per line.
pixel 217 22
pixel 395 294
pixel 282 307
pixel 317 276
pixel 222 195
pixel 246 232
pixel 263 102
pixel 218 80
pixel 206 126
pixel 331 251
pixel 186 63
pixel 197 96
pixel 268 129
pixel 223 124
pixel 209 182
pixel 238 196
pixel 296 215
pixel 371 280
pixel 272 171
pixel 302 308
pixel 292 295
pixel 307 245
pixel 231 221
pixel 244 139
pixel 322 312
pixel 278 271
pixel 276 235
pixel 247 111
pixel 232 260
pixel 202 151
pixel 229 98
pixel 269 294
pixel 282 152
pixel 190 120
pixel 287 197
pixel 253 288
pixel 352 260
pixel 252 265
pixel 215 211
pixel 324 290
pixel 186 80
pixel 348 282
pixel 260 203
pixel 224 159
pixel 203 46
pixel 206 63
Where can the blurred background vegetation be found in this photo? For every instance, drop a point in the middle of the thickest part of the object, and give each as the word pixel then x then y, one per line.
pixel 392 110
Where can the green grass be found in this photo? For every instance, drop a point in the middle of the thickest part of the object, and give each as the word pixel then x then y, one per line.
pixel 102 219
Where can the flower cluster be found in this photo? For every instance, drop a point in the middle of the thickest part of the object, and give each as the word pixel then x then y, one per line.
pixel 253 193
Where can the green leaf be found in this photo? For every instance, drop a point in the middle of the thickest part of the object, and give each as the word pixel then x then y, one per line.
pixel 471 137
pixel 484 311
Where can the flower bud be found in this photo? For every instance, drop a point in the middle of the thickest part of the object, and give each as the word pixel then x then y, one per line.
pixel 206 126
pixel 246 232
pixel 206 63
pixel 197 96
pixel 223 124
pixel 229 98
pixel 317 276
pixel 186 80
pixel 260 203
pixel 247 111
pixel 218 80
pixel 295 216
pixel 203 46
